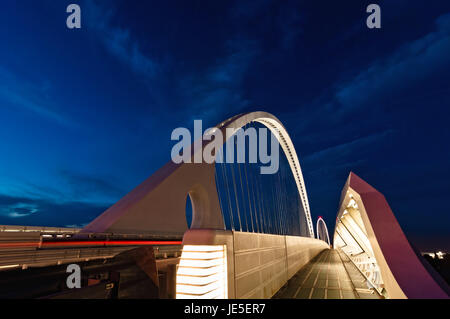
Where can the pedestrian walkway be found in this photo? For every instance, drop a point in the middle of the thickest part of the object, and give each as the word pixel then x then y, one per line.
pixel 330 275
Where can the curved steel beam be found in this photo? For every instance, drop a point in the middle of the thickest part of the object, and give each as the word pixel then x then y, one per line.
pixel 320 220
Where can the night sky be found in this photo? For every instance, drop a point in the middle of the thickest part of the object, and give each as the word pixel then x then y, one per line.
pixel 86 115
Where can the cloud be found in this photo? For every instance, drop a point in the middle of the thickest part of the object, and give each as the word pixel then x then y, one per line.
pixel 379 94
pixel 40 212
pixel 345 149
pixel 31 96
pixel 212 90
pixel 217 91
pixel 89 188
pixel 75 199
pixel 119 41
pixel 289 22
pixel 409 67
pixel 66 186
pixel 19 209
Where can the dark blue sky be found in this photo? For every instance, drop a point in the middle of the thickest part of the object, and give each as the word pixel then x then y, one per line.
pixel 86 115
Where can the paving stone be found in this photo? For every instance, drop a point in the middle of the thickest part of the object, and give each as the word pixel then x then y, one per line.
pixel 318 293
pixel 329 275
pixel 333 294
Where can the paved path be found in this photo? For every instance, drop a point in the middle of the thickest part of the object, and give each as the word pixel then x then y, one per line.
pixel 330 275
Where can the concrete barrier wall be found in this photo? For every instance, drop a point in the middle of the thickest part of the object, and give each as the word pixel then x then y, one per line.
pixel 300 250
pixel 258 264
pixel 263 263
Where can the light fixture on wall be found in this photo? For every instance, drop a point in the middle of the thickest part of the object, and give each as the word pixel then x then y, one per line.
pixel 202 272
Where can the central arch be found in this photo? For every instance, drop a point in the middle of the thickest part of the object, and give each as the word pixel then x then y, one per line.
pixel 321 223
pixel 158 205
pixel 277 128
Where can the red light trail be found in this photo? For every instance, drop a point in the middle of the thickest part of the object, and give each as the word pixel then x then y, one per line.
pixel 45 244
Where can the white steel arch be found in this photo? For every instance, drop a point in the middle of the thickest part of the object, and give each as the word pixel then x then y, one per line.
pixel 277 128
pixel 158 205
pixel 321 221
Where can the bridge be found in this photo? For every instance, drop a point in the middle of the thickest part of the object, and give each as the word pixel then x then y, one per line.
pixel 246 235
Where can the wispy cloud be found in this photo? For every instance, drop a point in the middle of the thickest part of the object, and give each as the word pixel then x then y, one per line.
pixel 91 188
pixel 344 149
pixel 75 198
pixel 67 186
pixel 217 91
pixel 381 91
pixel 18 210
pixel 393 77
pixel 26 211
pixel 119 41
pixel 31 96
pixel 289 21
pixel 210 92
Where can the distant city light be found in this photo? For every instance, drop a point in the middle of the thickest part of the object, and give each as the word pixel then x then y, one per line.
pixel 440 255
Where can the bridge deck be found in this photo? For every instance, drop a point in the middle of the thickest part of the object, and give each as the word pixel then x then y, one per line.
pixel 330 275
